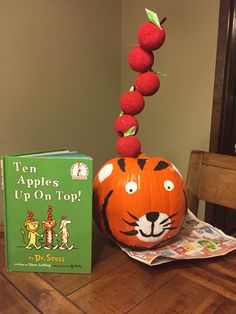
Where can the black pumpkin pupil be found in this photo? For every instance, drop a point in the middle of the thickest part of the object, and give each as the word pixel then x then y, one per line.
pixel 130 190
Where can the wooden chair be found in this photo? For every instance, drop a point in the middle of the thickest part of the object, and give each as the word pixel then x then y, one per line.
pixel 212 178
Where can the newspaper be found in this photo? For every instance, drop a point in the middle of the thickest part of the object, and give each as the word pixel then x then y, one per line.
pixel 196 239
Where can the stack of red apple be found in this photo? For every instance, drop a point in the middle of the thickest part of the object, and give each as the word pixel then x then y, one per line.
pixel 151 36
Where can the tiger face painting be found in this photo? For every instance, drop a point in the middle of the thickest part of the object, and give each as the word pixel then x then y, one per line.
pixel 139 202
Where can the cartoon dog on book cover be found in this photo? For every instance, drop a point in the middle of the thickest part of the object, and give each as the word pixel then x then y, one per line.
pixel 64 234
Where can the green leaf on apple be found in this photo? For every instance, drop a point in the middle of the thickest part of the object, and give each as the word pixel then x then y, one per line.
pixel 130 131
pixel 152 16
pixel 161 74
pixel 131 89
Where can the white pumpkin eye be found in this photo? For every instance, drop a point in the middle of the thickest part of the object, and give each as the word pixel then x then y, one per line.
pixel 168 185
pixel 131 187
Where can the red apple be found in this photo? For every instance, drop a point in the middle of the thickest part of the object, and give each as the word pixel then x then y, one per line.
pixel 125 123
pixel 147 83
pixel 132 103
pixel 128 146
pixel 140 60
pixel 150 36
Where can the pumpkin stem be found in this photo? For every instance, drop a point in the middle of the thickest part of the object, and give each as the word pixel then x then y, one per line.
pixel 142 155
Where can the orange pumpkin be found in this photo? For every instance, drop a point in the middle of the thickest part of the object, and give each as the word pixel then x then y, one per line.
pixel 139 202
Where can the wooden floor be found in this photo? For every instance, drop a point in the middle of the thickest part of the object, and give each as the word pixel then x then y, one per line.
pixel 119 284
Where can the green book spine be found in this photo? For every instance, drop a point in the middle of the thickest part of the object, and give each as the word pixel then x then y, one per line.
pixel 48 212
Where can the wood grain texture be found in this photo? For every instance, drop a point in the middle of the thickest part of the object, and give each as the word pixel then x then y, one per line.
pixel 119 284
pixel 123 288
pixel 216 282
pixel 212 178
pixel 219 160
pixel 193 179
pixel 227 307
pixel 33 288
pixel 12 301
pixel 218 186
pixel 222 265
pixel 180 295
pixel 40 293
pixel 105 260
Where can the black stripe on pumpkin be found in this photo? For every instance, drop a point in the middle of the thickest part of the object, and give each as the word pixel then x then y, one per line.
pixel 104 214
pixel 121 163
pixel 161 165
pixel 141 163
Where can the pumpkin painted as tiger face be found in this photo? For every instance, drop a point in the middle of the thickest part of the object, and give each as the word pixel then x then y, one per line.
pixel 139 202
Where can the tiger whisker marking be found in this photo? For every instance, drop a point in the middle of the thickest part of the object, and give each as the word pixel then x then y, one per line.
pixel 169 223
pixel 165 220
pixel 129 233
pixel 134 217
pixel 133 224
pixel 170 228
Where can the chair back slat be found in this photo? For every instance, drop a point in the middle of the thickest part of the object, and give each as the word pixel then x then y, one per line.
pixel 218 185
pixel 212 178
pixel 220 160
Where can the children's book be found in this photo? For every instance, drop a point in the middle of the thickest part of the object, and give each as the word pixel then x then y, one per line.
pixel 48 211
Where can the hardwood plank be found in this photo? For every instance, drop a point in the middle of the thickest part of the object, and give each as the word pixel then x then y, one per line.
pixel 228 307
pixel 106 257
pixel 223 264
pixel 217 282
pixel 119 284
pixel 123 288
pixel 38 291
pixel 12 301
pixel 210 304
pixel 180 295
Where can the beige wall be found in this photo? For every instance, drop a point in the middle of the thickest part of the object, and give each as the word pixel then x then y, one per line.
pixel 59 75
pixel 176 119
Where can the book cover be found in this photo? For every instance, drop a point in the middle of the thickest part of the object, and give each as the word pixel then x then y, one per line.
pixel 48 212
